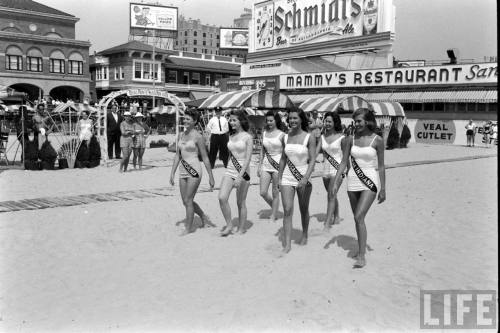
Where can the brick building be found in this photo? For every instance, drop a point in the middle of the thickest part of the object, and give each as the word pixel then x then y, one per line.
pixel 39 54
pixel 185 74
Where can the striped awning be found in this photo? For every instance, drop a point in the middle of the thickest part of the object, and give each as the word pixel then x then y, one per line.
pixel 378 97
pixel 249 111
pixel 325 104
pixel 298 99
pixel 262 99
pixel 390 109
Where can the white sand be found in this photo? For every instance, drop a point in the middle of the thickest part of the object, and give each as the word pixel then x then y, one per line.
pixel 121 266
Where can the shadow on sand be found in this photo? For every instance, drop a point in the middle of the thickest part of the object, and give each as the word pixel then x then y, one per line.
pixel 296 235
pixel 347 243
pixel 266 214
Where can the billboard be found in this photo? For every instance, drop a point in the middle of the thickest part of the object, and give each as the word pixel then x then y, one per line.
pixel 280 24
pixel 153 17
pixel 233 38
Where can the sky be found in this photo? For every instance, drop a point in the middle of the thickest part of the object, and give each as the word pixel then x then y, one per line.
pixel 425 29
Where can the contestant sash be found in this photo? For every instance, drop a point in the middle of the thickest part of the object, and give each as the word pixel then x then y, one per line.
pixel 188 167
pixel 271 160
pixel 362 177
pixel 237 166
pixel 332 161
pixel 296 173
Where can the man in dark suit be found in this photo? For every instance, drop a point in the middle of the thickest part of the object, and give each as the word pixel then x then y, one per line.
pixel 113 131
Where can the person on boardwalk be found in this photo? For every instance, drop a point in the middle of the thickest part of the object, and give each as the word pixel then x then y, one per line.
pixel 331 143
pixel 366 176
pixel 269 159
pixel 141 132
pixel 126 140
pixel 487 133
pixel 218 128
pixel 113 135
pixel 471 133
pixel 191 144
pixel 296 167
pixel 238 171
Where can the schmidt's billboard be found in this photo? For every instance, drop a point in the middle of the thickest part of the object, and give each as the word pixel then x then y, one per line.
pixel 287 23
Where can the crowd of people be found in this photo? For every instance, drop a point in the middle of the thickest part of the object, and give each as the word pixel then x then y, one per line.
pixel 286 160
pixel 489 132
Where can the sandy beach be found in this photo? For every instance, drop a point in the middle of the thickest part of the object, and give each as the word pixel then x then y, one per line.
pixel 122 266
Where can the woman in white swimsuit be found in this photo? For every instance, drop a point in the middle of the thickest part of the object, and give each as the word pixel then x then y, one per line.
pixel 270 156
pixel 330 145
pixel 296 166
pixel 237 173
pixel 366 176
pixel 191 144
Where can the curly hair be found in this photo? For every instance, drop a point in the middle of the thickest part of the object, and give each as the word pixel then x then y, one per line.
pixel 337 124
pixel 304 120
pixel 195 115
pixel 368 116
pixel 242 117
pixel 277 119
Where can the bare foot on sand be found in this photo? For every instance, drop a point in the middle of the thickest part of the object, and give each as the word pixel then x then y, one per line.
pixel 186 232
pixel 303 240
pixel 228 230
pixel 327 227
pixel 287 249
pixel 206 222
pixel 360 262
pixel 336 220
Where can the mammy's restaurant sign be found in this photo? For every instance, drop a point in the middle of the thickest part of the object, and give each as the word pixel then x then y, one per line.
pixel 450 74
pixel 284 23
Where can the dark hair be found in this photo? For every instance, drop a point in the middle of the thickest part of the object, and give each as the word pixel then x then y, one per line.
pixel 277 119
pixel 368 116
pixel 304 120
pixel 243 119
pixel 193 114
pixel 337 124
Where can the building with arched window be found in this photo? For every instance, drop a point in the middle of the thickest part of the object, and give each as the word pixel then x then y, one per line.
pixel 39 54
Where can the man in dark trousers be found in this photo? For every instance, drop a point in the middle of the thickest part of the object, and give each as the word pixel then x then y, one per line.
pixel 218 127
pixel 113 131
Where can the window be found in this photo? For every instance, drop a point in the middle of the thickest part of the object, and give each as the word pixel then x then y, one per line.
pixel 185 33
pixel 438 106
pixel 117 73
pixel 143 70
pixel 122 74
pixel 34 64
pixel 186 78
pixel 217 44
pixel 185 41
pixel 195 49
pixel 204 43
pixel 207 79
pixel 195 33
pixel 176 42
pixel 195 42
pixel 138 70
pixel 75 67
pixel 204 35
pixel 481 107
pixel 57 66
pixel 218 36
pixel 105 72
pixel 14 62
pixel 172 76
pixel 195 78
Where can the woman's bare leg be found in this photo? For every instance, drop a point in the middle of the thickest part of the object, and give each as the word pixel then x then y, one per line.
pixel 304 195
pixel 241 197
pixel 225 190
pixel 363 201
pixel 287 196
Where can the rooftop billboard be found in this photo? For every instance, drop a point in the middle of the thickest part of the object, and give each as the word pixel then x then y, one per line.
pixel 153 17
pixel 231 38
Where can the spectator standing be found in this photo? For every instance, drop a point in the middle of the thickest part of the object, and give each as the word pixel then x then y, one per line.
pixel 487 133
pixel 126 139
pixel 113 131
pixel 218 127
pixel 471 133
pixel 141 132
pixel 84 127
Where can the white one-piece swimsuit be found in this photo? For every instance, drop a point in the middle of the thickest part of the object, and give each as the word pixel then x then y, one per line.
pixel 274 148
pixel 367 160
pixel 298 154
pixel 334 149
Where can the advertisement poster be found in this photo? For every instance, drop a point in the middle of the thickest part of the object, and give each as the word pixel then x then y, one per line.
pixel 153 17
pixel 285 23
pixel 435 131
pixel 233 38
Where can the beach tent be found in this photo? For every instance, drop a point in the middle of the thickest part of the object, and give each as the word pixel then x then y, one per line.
pixel 259 99
pixel 340 104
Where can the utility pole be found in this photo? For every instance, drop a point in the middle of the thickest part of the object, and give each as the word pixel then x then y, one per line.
pixel 154 68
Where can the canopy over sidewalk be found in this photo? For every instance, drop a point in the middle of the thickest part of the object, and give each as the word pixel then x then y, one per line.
pixel 261 99
pixel 346 104
pixel 390 109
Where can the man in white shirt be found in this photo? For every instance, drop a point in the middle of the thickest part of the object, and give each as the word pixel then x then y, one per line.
pixel 471 133
pixel 218 127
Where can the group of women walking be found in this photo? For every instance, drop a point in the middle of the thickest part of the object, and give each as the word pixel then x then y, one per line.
pixel 286 163
pixel 134 132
